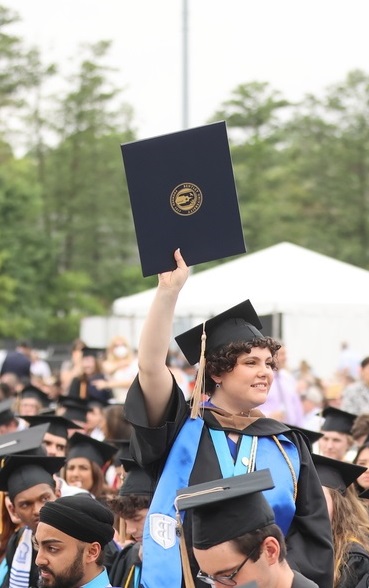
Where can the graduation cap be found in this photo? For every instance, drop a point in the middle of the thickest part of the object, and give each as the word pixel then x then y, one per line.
pixel 137 480
pixel 75 409
pixel 58 425
pixel 228 508
pixel 337 420
pixel 20 472
pixel 123 451
pixel 31 391
pixel 183 182
pixel 80 445
pixel 26 441
pixel 6 411
pixel 312 436
pixel 239 323
pixel 336 474
pixel 364 494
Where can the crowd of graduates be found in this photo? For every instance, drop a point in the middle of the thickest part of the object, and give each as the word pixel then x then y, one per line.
pixel 77 433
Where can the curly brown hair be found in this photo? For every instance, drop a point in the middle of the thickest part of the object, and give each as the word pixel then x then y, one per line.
pixel 127 506
pixel 225 358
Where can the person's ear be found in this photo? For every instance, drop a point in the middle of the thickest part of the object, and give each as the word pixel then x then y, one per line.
pixel 272 550
pixel 93 552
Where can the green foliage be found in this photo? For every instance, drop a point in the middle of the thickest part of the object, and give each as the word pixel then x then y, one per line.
pixel 67 241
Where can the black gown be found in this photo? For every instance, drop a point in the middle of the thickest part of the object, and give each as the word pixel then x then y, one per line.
pixel 309 541
pixel 356 572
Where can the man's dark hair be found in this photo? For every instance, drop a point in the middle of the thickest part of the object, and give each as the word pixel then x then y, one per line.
pixel 126 506
pixel 252 542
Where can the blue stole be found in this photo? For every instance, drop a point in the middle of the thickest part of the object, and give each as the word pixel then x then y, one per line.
pixel 281 497
pixel 161 562
pixel 161 559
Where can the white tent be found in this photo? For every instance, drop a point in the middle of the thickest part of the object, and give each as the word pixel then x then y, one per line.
pixel 321 301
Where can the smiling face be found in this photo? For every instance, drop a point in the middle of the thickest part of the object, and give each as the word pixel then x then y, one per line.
pixel 78 472
pixel 248 384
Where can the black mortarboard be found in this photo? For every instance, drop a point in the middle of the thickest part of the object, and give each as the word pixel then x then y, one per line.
pixel 93 352
pixel 336 474
pixel 364 493
pixel 123 451
pixel 239 323
pixel 58 425
pixel 136 481
pixel 75 409
pixel 80 445
pixel 337 420
pixel 227 508
pixel 20 472
pixel 6 411
pixel 26 441
pixel 31 391
pixel 312 436
pixel 181 186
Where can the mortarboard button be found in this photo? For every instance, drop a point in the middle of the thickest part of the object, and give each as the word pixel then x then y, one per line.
pixel 239 323
pixel 336 474
pixel 228 508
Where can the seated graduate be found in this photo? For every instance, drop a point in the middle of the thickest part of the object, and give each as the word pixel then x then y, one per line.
pixel 70 540
pixel 232 549
pixel 131 506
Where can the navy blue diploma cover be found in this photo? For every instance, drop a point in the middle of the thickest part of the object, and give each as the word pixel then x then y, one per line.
pixel 183 194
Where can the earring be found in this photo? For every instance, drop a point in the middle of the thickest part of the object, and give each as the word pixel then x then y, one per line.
pixel 217 385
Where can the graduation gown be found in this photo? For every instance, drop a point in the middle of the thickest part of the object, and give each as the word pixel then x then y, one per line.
pixel 10 552
pixel 309 541
pixel 121 573
pixel 356 571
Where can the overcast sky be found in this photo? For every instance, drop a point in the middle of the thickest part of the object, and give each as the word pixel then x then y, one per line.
pixel 298 46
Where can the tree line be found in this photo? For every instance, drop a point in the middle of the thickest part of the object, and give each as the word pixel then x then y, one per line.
pixel 67 241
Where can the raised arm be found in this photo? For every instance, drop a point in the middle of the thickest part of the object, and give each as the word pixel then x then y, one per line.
pixel 154 376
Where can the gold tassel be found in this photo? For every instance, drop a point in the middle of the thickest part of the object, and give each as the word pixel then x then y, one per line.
pixel 122 530
pixel 199 387
pixel 83 390
pixel 186 568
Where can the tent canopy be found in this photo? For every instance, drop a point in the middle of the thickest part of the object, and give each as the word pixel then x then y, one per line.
pixel 284 278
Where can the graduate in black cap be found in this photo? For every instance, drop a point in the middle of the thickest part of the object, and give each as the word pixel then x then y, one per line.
pixel 225 435
pixel 70 540
pixel 131 507
pixel 56 436
pixel 337 439
pixel 232 550
pixel 86 462
pixel 349 519
pixel 29 482
pixel 32 400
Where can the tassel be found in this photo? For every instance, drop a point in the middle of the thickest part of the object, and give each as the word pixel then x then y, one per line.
pixel 199 387
pixel 122 530
pixel 83 390
pixel 2 512
pixel 186 568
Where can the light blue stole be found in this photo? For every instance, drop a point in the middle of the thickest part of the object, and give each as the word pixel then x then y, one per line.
pixel 161 562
